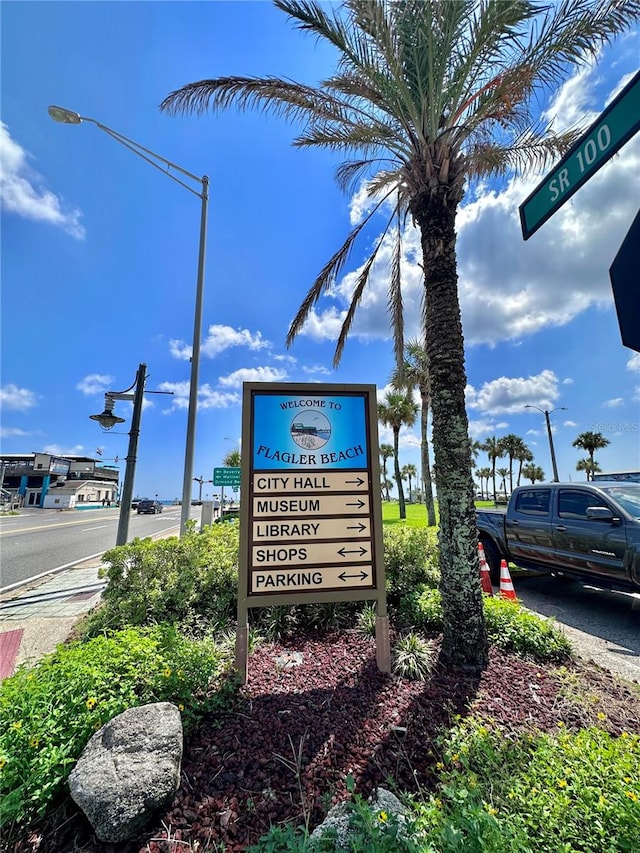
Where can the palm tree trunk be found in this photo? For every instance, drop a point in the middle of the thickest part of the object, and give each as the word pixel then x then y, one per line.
pixel 464 639
pixel 398 475
pixel 424 459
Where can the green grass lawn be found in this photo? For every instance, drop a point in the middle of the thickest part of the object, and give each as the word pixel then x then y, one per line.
pixel 416 513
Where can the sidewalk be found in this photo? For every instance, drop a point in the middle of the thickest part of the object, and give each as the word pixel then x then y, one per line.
pixel 35 618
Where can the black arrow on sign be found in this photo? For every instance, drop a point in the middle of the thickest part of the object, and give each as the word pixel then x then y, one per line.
pixel 343 551
pixel 359 504
pixel 344 576
pixel 358 482
pixel 360 526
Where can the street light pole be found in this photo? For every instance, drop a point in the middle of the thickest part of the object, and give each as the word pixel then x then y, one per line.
pixel 65 116
pixel 546 414
pixel 107 420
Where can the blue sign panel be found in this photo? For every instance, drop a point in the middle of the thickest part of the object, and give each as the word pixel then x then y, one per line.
pixel 314 430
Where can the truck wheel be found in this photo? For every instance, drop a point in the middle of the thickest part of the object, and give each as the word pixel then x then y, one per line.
pixel 493 559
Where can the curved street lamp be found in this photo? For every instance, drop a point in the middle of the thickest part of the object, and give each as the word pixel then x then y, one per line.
pixel 546 414
pixel 64 116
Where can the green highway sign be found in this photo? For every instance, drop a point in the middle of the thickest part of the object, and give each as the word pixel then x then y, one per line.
pixel 226 476
pixel 617 124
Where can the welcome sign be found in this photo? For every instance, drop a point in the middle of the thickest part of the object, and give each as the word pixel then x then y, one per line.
pixel 311 516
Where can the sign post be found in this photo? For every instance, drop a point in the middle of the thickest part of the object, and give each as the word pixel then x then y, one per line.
pixel 625 282
pixel 617 124
pixel 311 517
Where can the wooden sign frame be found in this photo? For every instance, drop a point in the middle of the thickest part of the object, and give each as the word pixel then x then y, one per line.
pixel 311 510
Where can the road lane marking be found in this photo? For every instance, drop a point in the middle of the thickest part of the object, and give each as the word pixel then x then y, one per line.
pixel 101 527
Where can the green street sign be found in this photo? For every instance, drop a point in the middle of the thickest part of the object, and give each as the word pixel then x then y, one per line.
pixel 617 124
pixel 226 476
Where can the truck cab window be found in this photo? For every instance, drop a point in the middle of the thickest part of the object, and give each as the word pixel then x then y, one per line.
pixel 573 504
pixel 534 502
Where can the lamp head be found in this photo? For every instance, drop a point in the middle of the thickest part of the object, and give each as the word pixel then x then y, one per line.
pixel 107 420
pixel 64 116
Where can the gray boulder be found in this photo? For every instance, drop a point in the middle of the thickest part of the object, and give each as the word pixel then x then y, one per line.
pixel 339 818
pixel 129 770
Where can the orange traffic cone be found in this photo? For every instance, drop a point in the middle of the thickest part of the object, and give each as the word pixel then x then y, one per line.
pixel 485 574
pixel 506 584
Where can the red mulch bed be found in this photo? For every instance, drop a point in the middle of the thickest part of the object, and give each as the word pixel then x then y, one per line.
pixel 334 715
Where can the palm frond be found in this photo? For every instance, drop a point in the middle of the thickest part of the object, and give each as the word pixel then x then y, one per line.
pixel 285 97
pixel 328 274
pixel 396 311
pixel 530 151
pixel 352 172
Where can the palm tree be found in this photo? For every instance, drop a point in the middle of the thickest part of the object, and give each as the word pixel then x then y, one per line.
pixel 408 473
pixel 591 441
pixel 414 373
pixel 395 411
pixel 386 450
pixel 512 445
pixel 427 98
pixel 232 459
pixel 503 472
pixel 589 467
pixel 533 472
pixel 523 454
pixel 485 474
pixel 494 450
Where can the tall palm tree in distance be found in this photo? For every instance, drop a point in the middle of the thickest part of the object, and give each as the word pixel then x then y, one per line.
pixel 386 451
pixel 591 441
pixel 511 445
pixel 523 454
pixel 533 473
pixel 395 411
pixel 427 97
pixel 590 468
pixel 408 473
pixel 492 446
pixel 412 373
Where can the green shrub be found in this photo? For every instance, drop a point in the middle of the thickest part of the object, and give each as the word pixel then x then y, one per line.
pixel 510 626
pixel 49 712
pixel 192 580
pixel 565 792
pixel 413 657
pixel 411 560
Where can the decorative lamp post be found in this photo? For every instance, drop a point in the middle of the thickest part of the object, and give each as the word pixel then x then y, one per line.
pixel 107 421
pixel 546 414
pixel 64 116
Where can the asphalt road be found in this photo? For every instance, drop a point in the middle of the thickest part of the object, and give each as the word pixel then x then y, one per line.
pixel 38 541
pixel 602 626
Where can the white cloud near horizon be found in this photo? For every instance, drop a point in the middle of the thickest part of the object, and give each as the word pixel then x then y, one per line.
pixel 208 398
pixel 23 193
pixel 17 399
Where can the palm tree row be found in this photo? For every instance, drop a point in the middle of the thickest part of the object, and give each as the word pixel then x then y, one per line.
pixel 427 98
pixel 511 446
pixel 590 441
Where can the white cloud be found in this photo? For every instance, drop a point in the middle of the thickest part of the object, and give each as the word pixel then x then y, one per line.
pixel 60 450
pixel 219 339
pixel 634 362
pixel 611 404
pixel 569 423
pixel 19 399
pixel 511 394
pixel 567 381
pixel 317 368
pixel 22 190
pixel 95 383
pixel 252 374
pixel 208 398
pixel 12 432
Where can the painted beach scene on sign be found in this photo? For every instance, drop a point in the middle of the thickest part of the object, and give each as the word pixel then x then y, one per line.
pixel 309 431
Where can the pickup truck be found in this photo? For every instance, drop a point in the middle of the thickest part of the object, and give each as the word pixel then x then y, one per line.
pixel 590 531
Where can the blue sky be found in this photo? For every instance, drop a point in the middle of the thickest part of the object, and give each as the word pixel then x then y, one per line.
pixel 99 250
